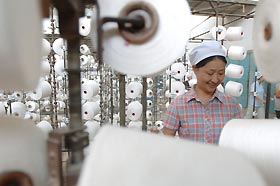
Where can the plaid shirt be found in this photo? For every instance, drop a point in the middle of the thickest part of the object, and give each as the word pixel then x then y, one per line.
pixel 199 122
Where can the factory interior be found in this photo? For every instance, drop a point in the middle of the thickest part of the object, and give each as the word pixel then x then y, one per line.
pixel 88 92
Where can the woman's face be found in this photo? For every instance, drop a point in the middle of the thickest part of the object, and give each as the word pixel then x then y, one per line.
pixel 210 75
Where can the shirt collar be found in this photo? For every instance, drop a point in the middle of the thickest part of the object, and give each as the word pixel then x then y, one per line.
pixel 219 95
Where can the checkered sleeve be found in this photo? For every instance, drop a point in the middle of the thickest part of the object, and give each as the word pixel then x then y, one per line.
pixel 171 120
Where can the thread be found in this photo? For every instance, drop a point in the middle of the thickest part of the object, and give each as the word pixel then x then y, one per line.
pixel 117 148
pixel 237 52
pixel 259 141
pixel 234 71
pixel 234 33
pixel 234 88
pixel 266 39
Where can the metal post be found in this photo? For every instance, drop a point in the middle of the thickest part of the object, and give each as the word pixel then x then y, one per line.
pixel 122 99
pixel 254 101
pixel 268 95
pixel 144 104
pixel 111 97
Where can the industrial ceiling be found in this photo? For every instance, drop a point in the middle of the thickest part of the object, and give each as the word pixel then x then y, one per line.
pixel 223 8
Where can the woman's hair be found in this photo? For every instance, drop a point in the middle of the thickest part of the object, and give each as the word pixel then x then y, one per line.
pixel 206 60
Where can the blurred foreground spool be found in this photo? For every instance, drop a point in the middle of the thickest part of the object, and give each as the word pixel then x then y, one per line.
pixel 128 54
pixel 144 159
pixel 24 149
pixel 266 39
pixel 259 141
pixel 21 43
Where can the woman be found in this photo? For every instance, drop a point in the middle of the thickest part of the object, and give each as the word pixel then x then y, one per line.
pixel 201 113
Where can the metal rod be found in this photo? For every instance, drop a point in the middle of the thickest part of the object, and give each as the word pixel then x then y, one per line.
pixel 201 22
pixel 169 87
pixel 223 24
pixel 101 91
pixel 247 16
pixel 99 36
pixel 122 99
pixel 74 84
pixel 144 104
pixel 267 104
pixel 200 35
pixel 222 14
pixel 223 21
pixel 74 78
pixel 155 100
pixel 111 97
pixel 241 2
pixel 254 100
pixel 99 51
pixel 136 22
pixel 212 8
pixel 199 40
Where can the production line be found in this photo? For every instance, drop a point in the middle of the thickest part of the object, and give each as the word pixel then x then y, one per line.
pixel 86 87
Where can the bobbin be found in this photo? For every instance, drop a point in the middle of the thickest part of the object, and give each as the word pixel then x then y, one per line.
pixel 139 33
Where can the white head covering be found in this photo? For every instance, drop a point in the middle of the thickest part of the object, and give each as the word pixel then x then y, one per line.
pixel 204 50
pixel 259 74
